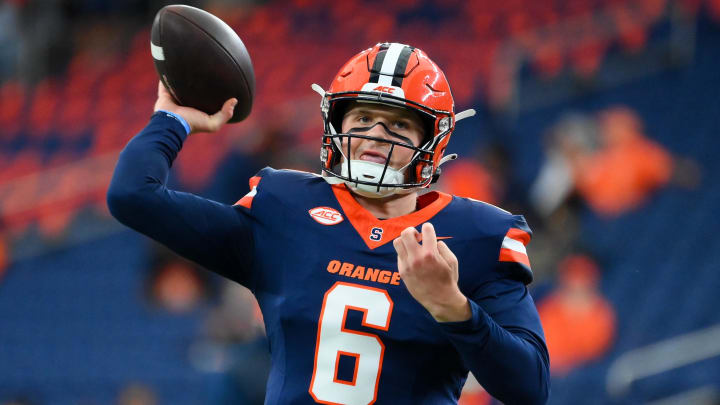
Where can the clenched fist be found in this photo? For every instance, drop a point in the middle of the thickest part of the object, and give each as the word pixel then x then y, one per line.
pixel 430 273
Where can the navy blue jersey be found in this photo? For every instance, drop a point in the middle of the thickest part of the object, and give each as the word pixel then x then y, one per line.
pixel 343 329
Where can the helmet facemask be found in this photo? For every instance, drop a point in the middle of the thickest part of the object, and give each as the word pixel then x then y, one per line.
pixel 374 179
pixel 368 178
pixel 394 75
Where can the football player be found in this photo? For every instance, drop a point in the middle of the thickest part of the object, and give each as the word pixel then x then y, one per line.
pixel 371 291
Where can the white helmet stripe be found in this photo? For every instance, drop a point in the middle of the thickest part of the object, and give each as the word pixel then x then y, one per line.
pixel 387 70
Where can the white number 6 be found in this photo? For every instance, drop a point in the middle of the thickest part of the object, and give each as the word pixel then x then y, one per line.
pixel 334 340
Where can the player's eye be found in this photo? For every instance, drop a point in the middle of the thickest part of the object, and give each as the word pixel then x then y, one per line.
pixel 401 124
pixel 363 119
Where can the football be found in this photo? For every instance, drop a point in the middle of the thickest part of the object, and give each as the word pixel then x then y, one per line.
pixel 201 60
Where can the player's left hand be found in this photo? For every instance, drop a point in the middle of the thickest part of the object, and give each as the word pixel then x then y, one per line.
pixel 430 273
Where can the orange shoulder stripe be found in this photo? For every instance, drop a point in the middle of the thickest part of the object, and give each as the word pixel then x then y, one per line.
pixel 247 200
pixel 518 234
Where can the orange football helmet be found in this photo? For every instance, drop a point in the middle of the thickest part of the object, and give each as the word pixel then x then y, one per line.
pixel 397 75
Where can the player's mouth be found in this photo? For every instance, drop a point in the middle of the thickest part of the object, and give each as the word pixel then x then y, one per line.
pixel 373 156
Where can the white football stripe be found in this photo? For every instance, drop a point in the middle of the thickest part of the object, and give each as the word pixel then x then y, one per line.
pixel 252 192
pixel 388 67
pixel 157 52
pixel 512 244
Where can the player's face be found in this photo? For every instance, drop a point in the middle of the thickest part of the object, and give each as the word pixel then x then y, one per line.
pixel 402 126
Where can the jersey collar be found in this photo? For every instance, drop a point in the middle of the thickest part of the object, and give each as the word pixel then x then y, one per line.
pixel 377 232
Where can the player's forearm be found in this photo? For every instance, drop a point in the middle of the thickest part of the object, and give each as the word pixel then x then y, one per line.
pixel 210 233
pixel 143 168
pixel 511 365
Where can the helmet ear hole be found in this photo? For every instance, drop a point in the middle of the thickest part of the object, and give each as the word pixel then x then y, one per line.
pixel 428 128
pixel 337 113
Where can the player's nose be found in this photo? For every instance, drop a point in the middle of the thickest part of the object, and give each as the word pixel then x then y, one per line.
pixel 378 129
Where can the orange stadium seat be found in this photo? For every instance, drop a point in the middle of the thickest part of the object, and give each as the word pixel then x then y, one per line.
pixel 691 6
pixel 12 102
pixel 110 97
pixel 43 106
pixel 714 9
pixel 24 162
pixel 549 58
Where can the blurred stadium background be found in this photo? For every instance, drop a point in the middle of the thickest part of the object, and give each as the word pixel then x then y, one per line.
pixel 599 121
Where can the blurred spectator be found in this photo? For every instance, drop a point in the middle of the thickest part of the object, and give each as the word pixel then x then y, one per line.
pixel 236 348
pixel 626 169
pixel 9 39
pixel 136 394
pixel 572 139
pixel 473 393
pixel 46 44
pixel 483 177
pixel 608 161
pixel 553 197
pixel 237 318
pixel 4 257
pixel 468 178
pixel 579 323
pixel 176 285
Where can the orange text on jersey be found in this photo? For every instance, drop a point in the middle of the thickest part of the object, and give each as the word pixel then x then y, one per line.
pixel 361 273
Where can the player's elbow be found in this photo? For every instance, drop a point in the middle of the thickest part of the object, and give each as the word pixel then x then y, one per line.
pixel 540 394
pixel 537 391
pixel 120 203
pixel 532 388
pixel 127 203
pixel 537 395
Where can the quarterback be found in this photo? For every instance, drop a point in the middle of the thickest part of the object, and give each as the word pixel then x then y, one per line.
pixel 371 291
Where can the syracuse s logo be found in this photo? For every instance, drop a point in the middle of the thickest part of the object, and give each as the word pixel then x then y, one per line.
pixel 376 234
pixel 326 215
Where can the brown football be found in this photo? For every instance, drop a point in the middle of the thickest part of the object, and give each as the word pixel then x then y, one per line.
pixel 201 60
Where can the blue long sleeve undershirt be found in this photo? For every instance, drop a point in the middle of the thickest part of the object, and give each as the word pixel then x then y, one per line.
pixel 510 362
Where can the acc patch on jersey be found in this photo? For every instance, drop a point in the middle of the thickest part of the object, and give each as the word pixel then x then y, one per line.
pixel 326 215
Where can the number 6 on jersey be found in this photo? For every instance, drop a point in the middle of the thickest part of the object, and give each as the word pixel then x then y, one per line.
pixel 333 340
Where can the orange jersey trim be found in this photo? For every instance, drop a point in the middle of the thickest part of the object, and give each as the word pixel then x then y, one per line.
pixel 364 222
pixel 518 234
pixel 247 200
pixel 509 255
pixel 513 247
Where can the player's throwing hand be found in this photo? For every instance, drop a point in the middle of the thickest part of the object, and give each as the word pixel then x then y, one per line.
pixel 430 273
pixel 198 120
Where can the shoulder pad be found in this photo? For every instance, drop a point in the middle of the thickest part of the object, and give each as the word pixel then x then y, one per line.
pixel 269 181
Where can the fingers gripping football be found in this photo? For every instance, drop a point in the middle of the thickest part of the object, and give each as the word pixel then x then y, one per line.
pixel 430 273
pixel 196 119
